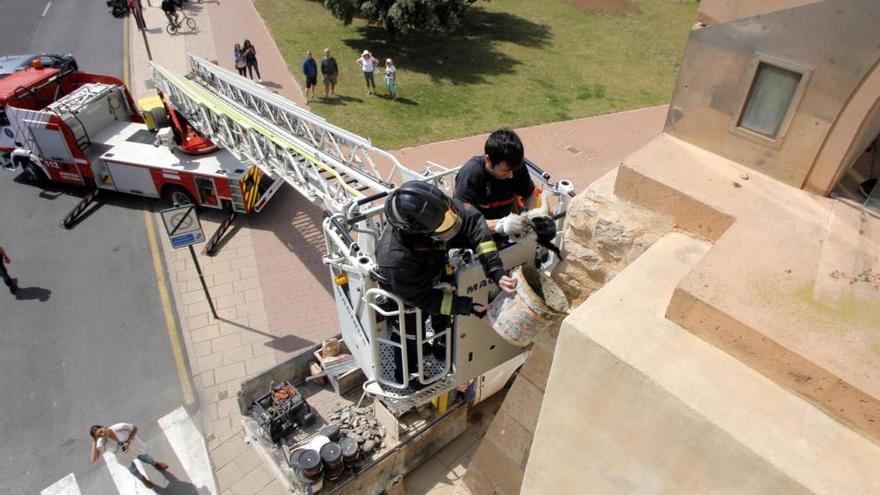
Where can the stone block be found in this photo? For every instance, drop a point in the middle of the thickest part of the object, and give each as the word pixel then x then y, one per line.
pixel 210 362
pixel 492 471
pixel 581 215
pixel 237 354
pixel 260 363
pixel 252 482
pixel 537 367
pixel 508 432
pixel 235 371
pixel 523 403
pixel 614 234
pixel 205 333
pixel 225 343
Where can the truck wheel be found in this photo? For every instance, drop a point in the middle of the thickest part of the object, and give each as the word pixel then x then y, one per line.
pixel 177 195
pixel 34 174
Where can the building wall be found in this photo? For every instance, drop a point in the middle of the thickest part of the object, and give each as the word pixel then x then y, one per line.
pixel 834 39
pixel 731 10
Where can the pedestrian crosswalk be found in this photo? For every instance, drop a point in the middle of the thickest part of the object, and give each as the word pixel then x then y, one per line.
pixel 65 486
pixel 190 474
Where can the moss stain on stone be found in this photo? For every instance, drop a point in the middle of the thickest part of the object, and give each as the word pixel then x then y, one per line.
pixel 850 309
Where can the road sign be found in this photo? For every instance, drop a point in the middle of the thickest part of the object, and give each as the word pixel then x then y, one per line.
pixel 183 226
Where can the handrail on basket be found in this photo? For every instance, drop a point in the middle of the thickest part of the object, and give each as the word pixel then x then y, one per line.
pixel 371 296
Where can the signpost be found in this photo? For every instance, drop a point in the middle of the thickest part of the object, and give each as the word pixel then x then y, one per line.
pixel 184 230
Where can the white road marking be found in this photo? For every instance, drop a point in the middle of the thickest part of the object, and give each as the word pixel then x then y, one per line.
pixel 126 483
pixel 46 9
pixel 189 447
pixel 65 486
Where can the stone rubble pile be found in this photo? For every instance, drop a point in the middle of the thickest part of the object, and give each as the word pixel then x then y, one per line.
pixel 359 424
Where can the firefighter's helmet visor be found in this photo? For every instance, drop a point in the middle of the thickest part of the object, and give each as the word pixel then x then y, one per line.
pixel 450 226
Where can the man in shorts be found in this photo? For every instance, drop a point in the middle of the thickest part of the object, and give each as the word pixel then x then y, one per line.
pixel 330 70
pixel 310 70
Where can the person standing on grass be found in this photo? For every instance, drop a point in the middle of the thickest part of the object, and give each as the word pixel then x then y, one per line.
pixel 391 78
pixel 310 70
pixel 10 282
pixel 120 439
pixel 330 70
pixel 250 60
pixel 240 64
pixel 368 65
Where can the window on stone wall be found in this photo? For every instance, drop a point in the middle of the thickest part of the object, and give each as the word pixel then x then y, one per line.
pixel 770 97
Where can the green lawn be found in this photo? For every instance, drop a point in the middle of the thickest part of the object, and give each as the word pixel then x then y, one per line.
pixel 515 63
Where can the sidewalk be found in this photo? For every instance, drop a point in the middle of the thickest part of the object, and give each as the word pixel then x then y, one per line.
pixel 268 283
pixel 248 338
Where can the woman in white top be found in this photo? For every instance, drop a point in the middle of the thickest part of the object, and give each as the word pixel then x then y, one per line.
pixel 391 78
pixel 368 64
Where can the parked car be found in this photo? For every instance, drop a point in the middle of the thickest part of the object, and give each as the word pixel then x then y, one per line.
pixel 12 63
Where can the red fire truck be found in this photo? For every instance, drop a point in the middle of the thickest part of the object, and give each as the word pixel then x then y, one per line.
pixel 77 128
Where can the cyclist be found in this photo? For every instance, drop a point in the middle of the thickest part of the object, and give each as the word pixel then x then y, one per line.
pixel 170 9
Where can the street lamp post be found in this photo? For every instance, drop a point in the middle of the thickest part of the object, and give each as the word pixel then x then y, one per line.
pixel 142 25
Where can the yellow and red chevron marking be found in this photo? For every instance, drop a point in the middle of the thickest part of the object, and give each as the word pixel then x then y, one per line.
pixel 250 187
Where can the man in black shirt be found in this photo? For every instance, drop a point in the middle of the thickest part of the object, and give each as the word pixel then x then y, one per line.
pixel 330 70
pixel 495 181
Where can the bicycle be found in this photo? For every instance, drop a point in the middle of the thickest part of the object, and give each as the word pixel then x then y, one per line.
pixel 174 25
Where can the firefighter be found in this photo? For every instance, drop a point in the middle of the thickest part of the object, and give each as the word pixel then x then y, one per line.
pixel 496 181
pixel 423 224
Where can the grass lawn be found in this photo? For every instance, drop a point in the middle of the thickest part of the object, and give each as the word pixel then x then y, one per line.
pixel 515 63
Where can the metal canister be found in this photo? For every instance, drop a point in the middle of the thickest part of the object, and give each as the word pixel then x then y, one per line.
pixel 309 462
pixel 293 458
pixel 331 431
pixel 331 456
pixel 349 450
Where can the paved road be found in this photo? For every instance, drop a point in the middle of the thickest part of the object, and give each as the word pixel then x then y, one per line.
pixel 85 340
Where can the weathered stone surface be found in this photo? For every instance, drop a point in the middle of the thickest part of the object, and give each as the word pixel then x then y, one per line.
pixel 581 215
pixel 613 234
pixel 640 245
pixel 571 279
pixel 577 253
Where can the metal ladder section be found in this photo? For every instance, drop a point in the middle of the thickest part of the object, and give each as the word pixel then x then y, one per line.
pixel 254 139
pixel 342 146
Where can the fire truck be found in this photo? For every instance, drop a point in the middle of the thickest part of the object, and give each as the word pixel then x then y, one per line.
pixel 72 127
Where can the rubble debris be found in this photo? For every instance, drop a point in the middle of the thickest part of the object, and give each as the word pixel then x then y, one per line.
pixel 360 433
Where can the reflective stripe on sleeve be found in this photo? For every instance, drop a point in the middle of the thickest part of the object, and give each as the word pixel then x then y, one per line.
pixel 486 247
pixel 446 303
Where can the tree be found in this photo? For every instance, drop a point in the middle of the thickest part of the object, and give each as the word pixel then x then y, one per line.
pixel 403 16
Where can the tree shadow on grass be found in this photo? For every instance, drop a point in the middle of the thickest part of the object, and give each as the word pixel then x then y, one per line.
pixel 466 56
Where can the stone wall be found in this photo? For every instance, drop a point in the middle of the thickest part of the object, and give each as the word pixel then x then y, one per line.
pixel 603 234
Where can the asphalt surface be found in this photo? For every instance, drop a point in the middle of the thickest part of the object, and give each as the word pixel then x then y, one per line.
pixel 84 341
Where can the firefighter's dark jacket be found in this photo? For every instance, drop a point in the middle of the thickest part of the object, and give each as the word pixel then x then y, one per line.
pixel 410 265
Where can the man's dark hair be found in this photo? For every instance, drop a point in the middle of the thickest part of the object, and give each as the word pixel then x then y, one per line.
pixel 93 431
pixel 504 145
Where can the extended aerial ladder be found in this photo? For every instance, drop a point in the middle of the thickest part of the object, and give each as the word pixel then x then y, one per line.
pixel 349 177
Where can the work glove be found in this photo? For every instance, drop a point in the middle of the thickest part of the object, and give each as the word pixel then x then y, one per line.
pixel 512 225
pixel 479 310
